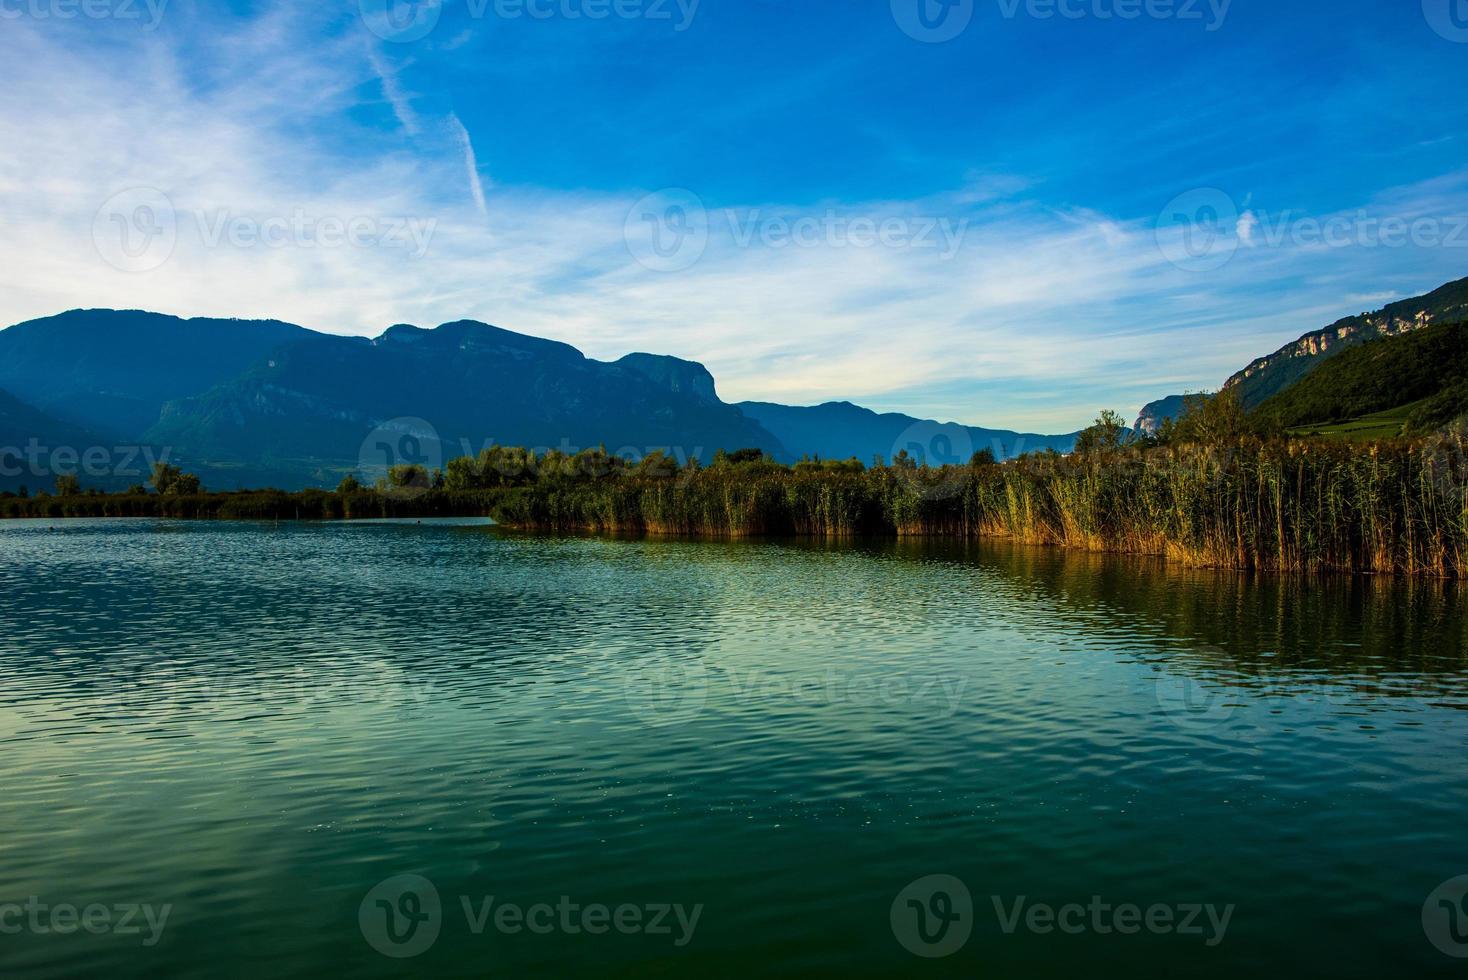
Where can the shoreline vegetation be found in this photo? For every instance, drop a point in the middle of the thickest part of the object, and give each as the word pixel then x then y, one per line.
pixel 1208 491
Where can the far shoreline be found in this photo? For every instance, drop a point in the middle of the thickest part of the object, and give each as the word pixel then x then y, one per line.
pixel 1283 505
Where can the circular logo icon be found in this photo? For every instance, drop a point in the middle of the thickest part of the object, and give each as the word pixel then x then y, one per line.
pixel 1199 231
pixel 933 21
pixel 401 21
pixel 401 917
pixel 400 455
pixel 667 690
pixel 668 230
pixel 1191 705
pixel 931 458
pixel 933 917
pixel 135 230
pixel 1445 917
pixel 1448 17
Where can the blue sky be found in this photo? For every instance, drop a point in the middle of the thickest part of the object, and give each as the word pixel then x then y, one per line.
pixel 1035 218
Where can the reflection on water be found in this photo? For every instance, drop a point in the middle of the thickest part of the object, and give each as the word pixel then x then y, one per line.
pixel 265 727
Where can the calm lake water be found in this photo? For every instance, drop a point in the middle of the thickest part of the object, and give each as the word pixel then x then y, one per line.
pixel 391 749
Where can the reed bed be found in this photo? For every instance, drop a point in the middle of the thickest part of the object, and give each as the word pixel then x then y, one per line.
pixel 1284 505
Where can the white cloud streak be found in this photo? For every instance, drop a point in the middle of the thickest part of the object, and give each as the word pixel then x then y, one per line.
pixel 476 188
pixel 392 90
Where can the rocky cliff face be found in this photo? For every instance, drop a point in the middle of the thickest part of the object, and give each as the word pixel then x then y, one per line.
pixel 1154 414
pixel 1270 375
pixel 677 375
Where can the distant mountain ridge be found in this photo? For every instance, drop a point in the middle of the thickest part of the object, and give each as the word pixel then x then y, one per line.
pixel 1268 376
pixel 841 430
pixel 254 403
pixel 472 383
pixel 113 370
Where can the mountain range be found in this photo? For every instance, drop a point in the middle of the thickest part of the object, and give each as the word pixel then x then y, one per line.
pixel 250 403
pixel 256 403
pixel 1415 382
pixel 1269 376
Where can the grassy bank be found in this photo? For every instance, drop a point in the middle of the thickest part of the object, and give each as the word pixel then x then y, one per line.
pixel 1282 505
pixel 1249 503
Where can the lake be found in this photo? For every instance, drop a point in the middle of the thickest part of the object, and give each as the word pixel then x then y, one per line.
pixel 397 748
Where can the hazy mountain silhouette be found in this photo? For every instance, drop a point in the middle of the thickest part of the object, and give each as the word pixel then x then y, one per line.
pixel 248 403
pixel 841 430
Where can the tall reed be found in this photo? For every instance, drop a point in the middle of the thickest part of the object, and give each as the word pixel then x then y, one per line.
pixel 1285 505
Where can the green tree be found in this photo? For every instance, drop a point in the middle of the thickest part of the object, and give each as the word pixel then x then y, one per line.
pixel 349 484
pixel 1211 420
pixel 67 485
pixel 465 472
pixel 1107 434
pixel 984 457
pixel 408 476
pixel 165 476
pixel 172 481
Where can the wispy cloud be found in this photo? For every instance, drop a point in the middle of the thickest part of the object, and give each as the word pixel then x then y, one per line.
pixel 476 188
pixel 392 90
